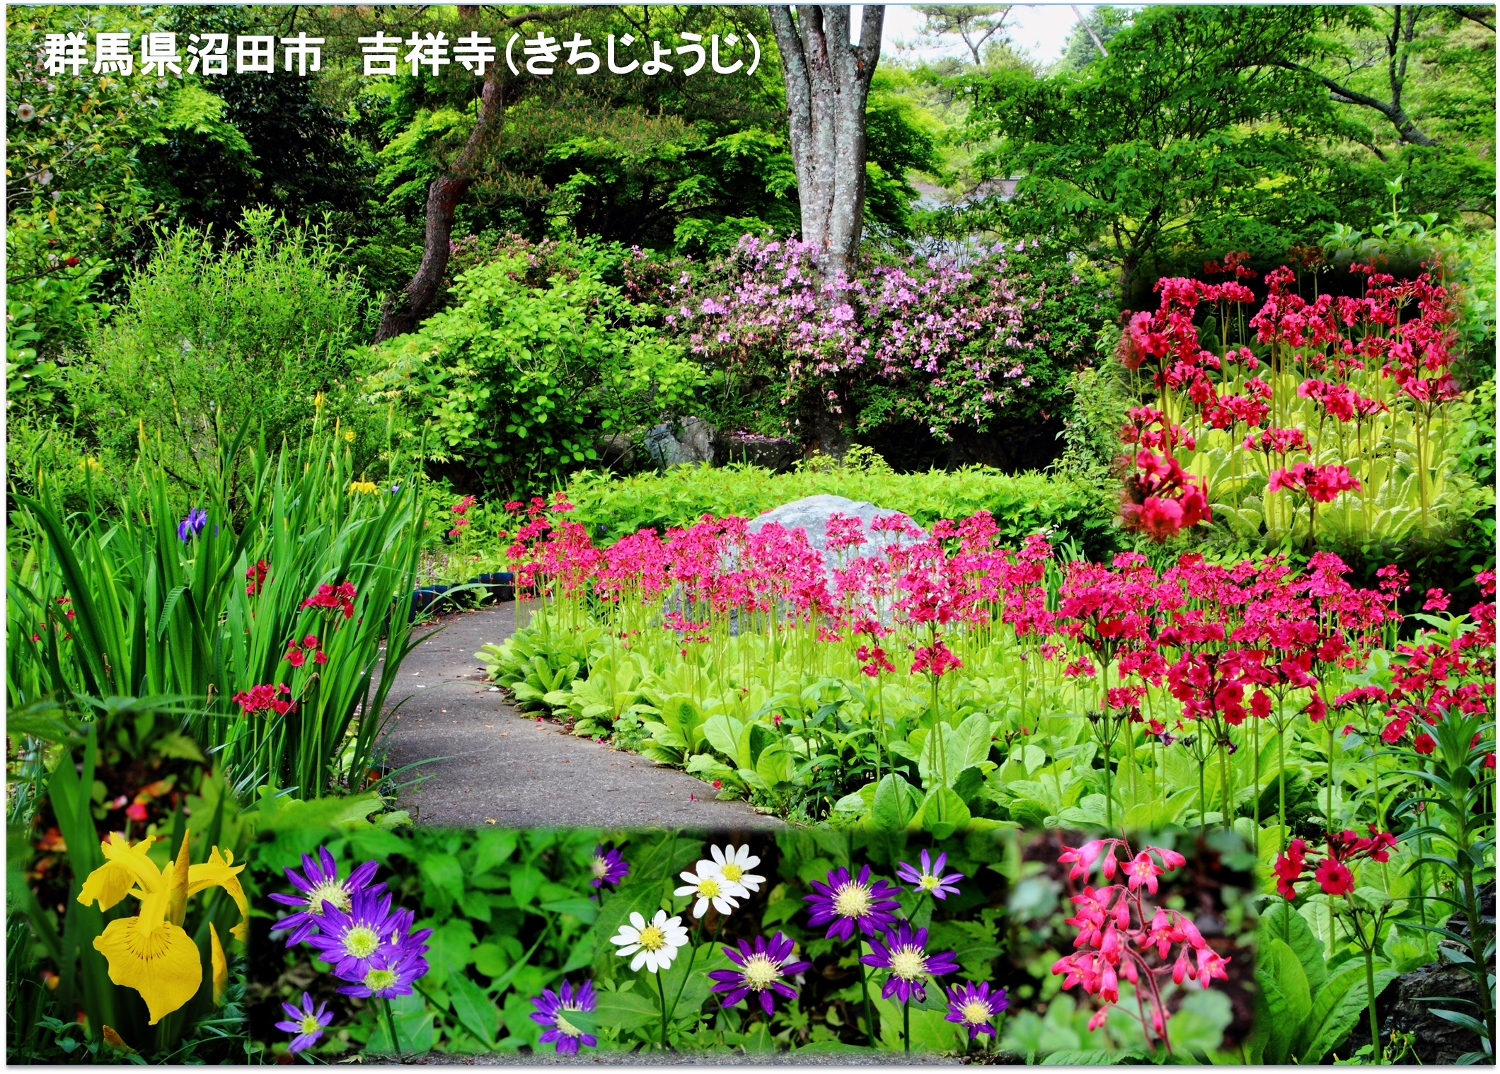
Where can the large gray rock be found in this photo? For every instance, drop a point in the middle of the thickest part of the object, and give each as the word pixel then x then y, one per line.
pixel 811 514
pixel 688 442
pixel 698 440
pixel 775 453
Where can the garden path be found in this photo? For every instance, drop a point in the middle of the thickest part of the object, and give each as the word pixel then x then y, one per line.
pixel 490 763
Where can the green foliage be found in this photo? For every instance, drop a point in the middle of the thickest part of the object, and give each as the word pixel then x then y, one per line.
pixel 1092 433
pixel 115 602
pixel 519 379
pixel 1022 504
pixel 1106 22
pixel 219 337
pixel 81 193
pixel 1179 136
pixel 284 146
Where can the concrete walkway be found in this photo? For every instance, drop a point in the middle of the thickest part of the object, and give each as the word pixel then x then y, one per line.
pixel 491 763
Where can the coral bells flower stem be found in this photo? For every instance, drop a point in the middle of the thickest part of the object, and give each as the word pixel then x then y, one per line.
pixel 1120 937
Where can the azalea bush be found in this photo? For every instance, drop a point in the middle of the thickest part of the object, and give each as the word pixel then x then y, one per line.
pixel 943 342
pixel 575 941
pixel 273 613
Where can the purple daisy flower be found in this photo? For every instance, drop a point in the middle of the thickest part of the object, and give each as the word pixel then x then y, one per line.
pixel 305 1025
pixel 608 866
pixel 552 1009
pixel 931 878
pixel 848 902
pixel 319 883
pixel 391 970
pixel 904 953
pixel 975 1007
pixel 760 970
pixel 349 940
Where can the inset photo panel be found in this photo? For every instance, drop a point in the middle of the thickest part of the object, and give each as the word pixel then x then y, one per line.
pixel 833 946
pixel 750 534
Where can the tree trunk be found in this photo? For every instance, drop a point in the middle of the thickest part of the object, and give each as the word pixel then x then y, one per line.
pixel 827 85
pixel 406 309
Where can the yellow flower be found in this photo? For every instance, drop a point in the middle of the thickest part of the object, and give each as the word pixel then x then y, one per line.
pixel 366 487
pixel 88 462
pixel 349 436
pixel 151 952
pixel 219 963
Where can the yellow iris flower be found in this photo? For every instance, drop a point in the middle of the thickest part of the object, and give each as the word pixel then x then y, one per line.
pixel 151 952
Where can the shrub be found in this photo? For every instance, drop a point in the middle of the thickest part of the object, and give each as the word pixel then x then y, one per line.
pixel 948 342
pixel 1022 504
pixel 255 333
pixel 519 378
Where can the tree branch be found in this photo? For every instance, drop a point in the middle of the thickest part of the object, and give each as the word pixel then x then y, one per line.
pixel 1098 43
pixel 1484 16
pixel 1403 123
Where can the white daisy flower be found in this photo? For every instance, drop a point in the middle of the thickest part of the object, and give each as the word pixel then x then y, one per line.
pixel 711 886
pixel 735 865
pixel 654 945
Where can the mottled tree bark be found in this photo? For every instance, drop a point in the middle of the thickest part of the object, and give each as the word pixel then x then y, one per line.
pixel 827 85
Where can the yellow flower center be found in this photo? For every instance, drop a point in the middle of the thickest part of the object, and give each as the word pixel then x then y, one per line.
pixel 328 891
pixel 732 872
pixel 928 882
pixel 908 963
pixel 601 868
pixel 760 971
pixel 852 900
pixel 708 887
pixel 148 943
pixel 361 941
pixel 563 1024
pixel 376 980
pixel 652 938
pixel 309 1024
pixel 975 1012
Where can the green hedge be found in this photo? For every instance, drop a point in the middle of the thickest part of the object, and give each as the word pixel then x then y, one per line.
pixel 1022 504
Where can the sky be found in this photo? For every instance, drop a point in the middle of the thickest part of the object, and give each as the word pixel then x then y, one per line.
pixel 1040 29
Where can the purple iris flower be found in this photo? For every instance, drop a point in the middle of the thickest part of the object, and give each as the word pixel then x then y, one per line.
pixel 931 878
pixel 391 970
pixel 849 902
pixel 552 1010
pixel 193 525
pixel 319 882
pixel 905 954
pixel 608 866
pixel 348 940
pixel 976 1007
pixel 305 1025
pixel 760 970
